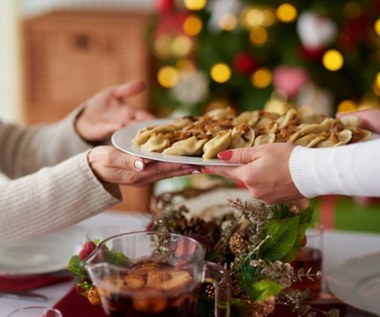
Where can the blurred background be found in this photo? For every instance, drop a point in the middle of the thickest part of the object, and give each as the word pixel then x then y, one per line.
pixel 196 55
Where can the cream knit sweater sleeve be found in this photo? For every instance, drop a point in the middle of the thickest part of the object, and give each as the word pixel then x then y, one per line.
pixel 352 170
pixel 26 149
pixel 40 200
pixel 52 198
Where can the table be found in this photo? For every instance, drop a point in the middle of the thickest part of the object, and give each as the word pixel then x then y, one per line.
pixel 339 246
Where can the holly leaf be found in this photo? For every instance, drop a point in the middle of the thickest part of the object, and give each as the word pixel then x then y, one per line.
pixel 75 266
pixel 306 216
pixel 117 258
pixel 295 250
pixel 263 289
pixel 282 238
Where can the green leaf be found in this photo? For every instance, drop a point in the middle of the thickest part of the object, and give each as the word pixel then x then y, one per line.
pixel 306 216
pixel 292 254
pixel 283 236
pixel 117 258
pixel 281 211
pixel 75 266
pixel 265 288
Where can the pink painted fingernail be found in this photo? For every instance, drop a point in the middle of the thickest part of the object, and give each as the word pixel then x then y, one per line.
pixel 139 165
pixel 196 172
pixel 225 155
pixel 206 170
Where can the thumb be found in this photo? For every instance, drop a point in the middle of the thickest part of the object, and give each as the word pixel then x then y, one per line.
pixel 129 89
pixel 238 156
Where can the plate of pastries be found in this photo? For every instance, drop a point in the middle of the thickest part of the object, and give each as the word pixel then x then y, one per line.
pixel 198 139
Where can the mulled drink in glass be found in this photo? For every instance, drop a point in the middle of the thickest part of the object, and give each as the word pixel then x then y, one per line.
pixel 146 274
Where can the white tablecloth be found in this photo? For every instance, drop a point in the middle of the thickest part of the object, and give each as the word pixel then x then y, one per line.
pixel 339 246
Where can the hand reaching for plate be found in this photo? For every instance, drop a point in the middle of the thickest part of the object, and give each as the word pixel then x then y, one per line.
pixel 113 166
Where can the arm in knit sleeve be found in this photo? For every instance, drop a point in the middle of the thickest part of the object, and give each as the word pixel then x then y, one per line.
pixel 352 170
pixel 53 198
pixel 24 150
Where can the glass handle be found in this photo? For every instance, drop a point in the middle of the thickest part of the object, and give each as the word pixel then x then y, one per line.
pixel 220 278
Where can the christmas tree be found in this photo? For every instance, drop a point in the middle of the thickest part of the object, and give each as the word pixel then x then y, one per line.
pixel 256 54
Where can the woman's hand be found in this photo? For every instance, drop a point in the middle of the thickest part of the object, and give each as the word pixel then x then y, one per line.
pixel 264 171
pixel 113 166
pixel 367 119
pixel 108 111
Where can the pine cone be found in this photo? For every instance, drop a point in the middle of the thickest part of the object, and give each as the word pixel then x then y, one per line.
pixel 210 291
pixel 238 243
pixel 262 308
pixel 192 226
pixel 236 289
pixel 93 296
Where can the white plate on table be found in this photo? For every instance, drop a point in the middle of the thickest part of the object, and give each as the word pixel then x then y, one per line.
pixel 123 140
pixel 357 283
pixel 43 254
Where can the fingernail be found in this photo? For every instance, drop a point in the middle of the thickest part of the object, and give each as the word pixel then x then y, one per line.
pixel 206 170
pixel 225 155
pixel 139 165
pixel 240 184
pixel 196 172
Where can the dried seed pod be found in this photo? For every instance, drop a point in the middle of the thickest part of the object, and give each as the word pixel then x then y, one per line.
pixel 93 296
pixel 238 243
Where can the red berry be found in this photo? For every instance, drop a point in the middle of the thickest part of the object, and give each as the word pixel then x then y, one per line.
pixel 87 249
pixel 149 227
pixel 304 241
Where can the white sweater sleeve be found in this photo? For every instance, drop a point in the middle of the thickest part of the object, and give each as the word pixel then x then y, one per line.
pixel 352 170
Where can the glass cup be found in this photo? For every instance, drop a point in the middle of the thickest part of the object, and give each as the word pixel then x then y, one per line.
pixel 156 274
pixel 35 311
pixel 308 264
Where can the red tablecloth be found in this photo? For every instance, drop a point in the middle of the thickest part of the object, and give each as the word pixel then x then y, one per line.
pixel 75 305
pixel 26 283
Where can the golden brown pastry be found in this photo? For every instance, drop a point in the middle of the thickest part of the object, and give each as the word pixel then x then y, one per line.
pixel 205 136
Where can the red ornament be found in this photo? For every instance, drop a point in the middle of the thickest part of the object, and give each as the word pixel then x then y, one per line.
pixel 377 5
pixel 314 54
pixel 170 22
pixel 164 5
pixel 245 63
pixel 354 31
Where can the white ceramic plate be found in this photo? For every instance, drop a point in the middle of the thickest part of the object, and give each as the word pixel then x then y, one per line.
pixel 357 283
pixel 44 254
pixel 122 139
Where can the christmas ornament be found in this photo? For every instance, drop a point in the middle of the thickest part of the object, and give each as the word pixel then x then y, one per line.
pixel 377 6
pixel 245 63
pixel 219 9
pixel 356 30
pixel 290 80
pixel 317 99
pixel 191 88
pixel 315 31
pixel 163 5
